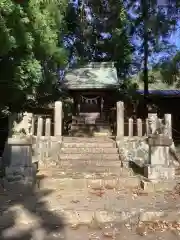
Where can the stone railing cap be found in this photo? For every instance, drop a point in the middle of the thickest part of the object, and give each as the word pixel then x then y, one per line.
pixel 19 141
pixel 159 140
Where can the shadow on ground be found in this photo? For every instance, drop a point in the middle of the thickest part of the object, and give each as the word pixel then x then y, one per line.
pixel 136 168
pixel 24 215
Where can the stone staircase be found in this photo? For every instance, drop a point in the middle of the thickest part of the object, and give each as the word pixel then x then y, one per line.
pixel 87 175
pixel 90 126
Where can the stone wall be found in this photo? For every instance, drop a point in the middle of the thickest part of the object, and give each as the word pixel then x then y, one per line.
pixel 45 149
pixel 17 162
pixel 134 149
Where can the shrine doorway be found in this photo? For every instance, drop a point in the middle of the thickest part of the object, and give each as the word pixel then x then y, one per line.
pixel 90 104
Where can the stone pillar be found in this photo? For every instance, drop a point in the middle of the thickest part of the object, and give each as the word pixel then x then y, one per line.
pixel 130 127
pixel 159 167
pixel 139 127
pixel 11 120
pixel 147 126
pixel 168 125
pixel 40 127
pixel 48 127
pixel 58 119
pixel 32 127
pixel 120 119
pixel 18 164
pixel 152 123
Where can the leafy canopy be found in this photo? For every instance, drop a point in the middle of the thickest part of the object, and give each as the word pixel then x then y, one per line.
pixel 31 49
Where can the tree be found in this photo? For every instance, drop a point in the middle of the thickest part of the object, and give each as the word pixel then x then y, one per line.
pixel 97 32
pixel 31 50
pixel 151 24
pixel 169 69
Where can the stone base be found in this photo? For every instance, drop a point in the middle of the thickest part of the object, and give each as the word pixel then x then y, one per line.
pixel 157 186
pixel 159 172
pixel 125 164
pixel 24 175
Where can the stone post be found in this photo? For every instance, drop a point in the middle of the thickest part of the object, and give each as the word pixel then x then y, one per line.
pixel 152 123
pixel 139 127
pixel 159 167
pixel 120 119
pixel 33 124
pixel 40 127
pixel 18 164
pixel 147 126
pixel 11 120
pixel 48 127
pixel 130 127
pixel 168 125
pixel 58 119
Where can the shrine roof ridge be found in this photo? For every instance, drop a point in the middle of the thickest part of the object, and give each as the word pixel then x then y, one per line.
pixel 92 75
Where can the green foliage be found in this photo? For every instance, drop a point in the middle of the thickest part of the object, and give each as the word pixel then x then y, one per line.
pixel 152 25
pixel 169 70
pixel 31 49
pixel 107 17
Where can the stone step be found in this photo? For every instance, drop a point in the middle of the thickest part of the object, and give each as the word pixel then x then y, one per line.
pixel 87 139
pixel 88 144
pixel 88 163
pixel 101 134
pixel 70 184
pixel 88 150
pixel 90 171
pixel 84 133
pixel 110 200
pixel 104 219
pixel 97 124
pixel 88 156
pixel 54 170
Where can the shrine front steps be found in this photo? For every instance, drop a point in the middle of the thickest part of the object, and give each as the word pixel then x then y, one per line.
pixel 88 140
pixel 76 144
pixel 71 181
pixel 94 130
pixel 90 149
pixel 87 150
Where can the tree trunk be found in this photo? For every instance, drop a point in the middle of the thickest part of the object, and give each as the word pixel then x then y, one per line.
pixel 145 6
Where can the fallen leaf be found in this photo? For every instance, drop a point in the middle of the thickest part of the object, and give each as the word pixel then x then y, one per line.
pixel 75 201
pixel 75 226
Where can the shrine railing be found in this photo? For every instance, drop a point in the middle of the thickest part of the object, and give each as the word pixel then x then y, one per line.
pixel 141 127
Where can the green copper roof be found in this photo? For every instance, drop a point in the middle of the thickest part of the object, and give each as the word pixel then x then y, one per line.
pixel 93 75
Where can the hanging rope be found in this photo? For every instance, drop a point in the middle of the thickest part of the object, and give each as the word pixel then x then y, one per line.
pixel 89 100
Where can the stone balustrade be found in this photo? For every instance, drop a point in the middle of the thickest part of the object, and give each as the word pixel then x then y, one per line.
pixel 18 164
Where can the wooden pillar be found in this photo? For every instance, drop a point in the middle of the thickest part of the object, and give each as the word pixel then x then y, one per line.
pixel 120 119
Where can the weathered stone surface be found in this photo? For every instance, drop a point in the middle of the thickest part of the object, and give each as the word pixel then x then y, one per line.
pixel 120 119
pixel 131 149
pixel 156 185
pixel 58 115
pixel 89 150
pixel 18 161
pixel 159 172
pixel 151 216
pixel 159 155
pixel 159 140
pixel 88 156
pixel 89 144
pixel 72 183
